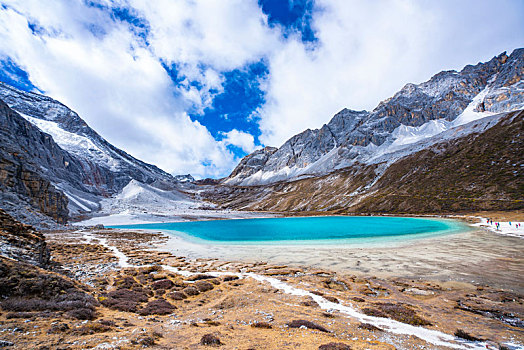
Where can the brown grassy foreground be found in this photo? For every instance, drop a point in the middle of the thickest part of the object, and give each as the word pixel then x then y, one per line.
pixel 150 307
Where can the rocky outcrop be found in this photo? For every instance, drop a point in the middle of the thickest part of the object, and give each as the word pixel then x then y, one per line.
pixel 481 171
pixel 52 161
pixel 184 178
pixel 99 155
pixel 352 136
pixel 22 242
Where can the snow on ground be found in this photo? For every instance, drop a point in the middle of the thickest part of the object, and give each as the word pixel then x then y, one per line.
pixel 130 218
pixel 507 228
pixel 431 336
pixel 139 203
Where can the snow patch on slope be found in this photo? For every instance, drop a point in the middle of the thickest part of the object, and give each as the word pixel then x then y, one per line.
pixel 79 201
pixel 139 195
pixel 405 137
pixel 75 144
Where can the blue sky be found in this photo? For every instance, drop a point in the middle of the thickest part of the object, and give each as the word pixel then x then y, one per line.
pixel 193 86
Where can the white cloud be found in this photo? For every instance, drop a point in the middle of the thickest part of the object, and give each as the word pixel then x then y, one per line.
pixel 120 87
pixel 367 50
pixel 204 38
pixel 239 139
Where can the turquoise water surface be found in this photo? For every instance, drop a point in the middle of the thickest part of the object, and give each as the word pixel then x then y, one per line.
pixel 304 230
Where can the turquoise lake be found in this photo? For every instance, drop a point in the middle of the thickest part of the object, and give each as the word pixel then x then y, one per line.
pixel 306 230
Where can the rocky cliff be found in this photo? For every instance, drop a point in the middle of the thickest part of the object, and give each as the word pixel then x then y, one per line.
pixel 481 170
pixel 28 159
pixel 453 143
pixel 106 167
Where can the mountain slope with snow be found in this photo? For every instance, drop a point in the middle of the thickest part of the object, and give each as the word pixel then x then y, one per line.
pixel 470 167
pixel 73 134
pixel 89 168
pixel 417 112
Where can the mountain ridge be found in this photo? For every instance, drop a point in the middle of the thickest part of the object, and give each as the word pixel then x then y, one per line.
pixel 52 162
pixel 347 137
pixel 471 172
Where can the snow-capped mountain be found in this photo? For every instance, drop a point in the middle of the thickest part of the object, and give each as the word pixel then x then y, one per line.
pixel 187 178
pixel 471 167
pixel 412 116
pixel 76 160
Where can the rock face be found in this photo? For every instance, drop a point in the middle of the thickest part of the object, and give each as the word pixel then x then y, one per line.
pixel 453 143
pixel 22 242
pixel 184 178
pixel 107 167
pixel 25 152
pixel 52 159
pixel 480 171
pixel 447 100
pixel 252 163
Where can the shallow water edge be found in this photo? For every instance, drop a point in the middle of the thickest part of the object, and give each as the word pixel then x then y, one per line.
pixel 474 255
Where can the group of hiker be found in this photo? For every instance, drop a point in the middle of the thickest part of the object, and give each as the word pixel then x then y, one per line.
pixel 497 224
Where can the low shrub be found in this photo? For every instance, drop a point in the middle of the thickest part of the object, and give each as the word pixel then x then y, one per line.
pixel 199 277
pixel 157 307
pixel 127 294
pixel 58 328
pixel 264 325
pixel 210 339
pixel 162 284
pixel 191 291
pixel 462 334
pixel 121 305
pixel 203 286
pixel 334 346
pixel 82 314
pixel 177 295
pixel 27 288
pixel 123 299
pixel 12 315
pixel 80 309
pixel 369 327
pixel 126 282
pixel 91 328
pixel 398 312
pixel 109 323
pixel 144 340
pixel 332 299
pixel 310 302
pixel 229 278
pixel 307 324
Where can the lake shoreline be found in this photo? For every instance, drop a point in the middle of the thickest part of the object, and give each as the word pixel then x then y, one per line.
pixel 257 303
